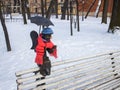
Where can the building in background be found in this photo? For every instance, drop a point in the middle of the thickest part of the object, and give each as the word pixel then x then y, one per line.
pixel 14 6
pixel 84 5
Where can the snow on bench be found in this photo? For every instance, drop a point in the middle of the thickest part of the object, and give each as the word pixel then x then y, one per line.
pixel 100 72
pixel 14 17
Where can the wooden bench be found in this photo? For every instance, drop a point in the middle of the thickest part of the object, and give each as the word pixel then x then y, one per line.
pixel 99 72
pixel 14 17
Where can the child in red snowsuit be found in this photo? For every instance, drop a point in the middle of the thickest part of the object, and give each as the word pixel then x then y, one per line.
pixel 44 44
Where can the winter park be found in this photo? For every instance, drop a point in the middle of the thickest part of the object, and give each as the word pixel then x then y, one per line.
pixel 79 51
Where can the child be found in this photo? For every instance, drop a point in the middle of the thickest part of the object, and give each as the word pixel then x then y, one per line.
pixel 44 44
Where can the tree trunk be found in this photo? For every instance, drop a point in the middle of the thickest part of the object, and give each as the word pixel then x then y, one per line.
pixel 105 10
pixel 45 6
pixel 42 8
pixel 5 29
pixel 98 8
pixel 78 27
pixel 23 11
pixel 118 14
pixel 68 13
pixel 90 8
pixel 49 11
pixel 71 18
pixel 27 9
pixel 56 8
pixel 64 9
pixel 115 18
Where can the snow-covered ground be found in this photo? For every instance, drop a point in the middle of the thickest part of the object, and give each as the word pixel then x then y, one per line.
pixel 92 39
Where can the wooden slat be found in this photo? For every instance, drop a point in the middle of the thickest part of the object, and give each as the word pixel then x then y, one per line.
pixel 60 63
pixel 98 83
pixel 70 74
pixel 69 80
pixel 77 66
pixel 117 88
pixel 109 85
pixel 46 81
pixel 102 76
pixel 58 85
pixel 26 71
pixel 81 73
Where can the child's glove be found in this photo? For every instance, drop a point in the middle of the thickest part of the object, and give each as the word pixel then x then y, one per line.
pixel 51 50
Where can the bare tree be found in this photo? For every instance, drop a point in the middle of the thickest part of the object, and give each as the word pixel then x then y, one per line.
pixel 49 11
pixel 23 11
pixel 71 18
pixel 53 6
pixel 115 18
pixel 56 8
pixel 77 15
pixel 64 9
pixel 92 4
pixel 105 11
pixel 45 6
pixel 27 8
pixel 42 7
pixel 98 8
pixel 4 29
